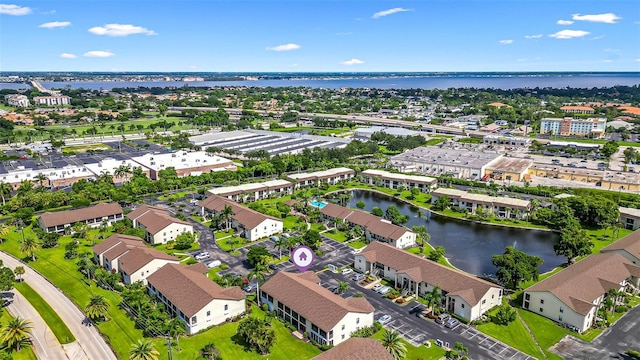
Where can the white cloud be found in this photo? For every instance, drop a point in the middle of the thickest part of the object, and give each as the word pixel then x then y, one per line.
pixel 192 67
pixel 120 30
pixel 352 62
pixel 638 59
pixel 98 54
pixel 284 47
pixel 68 56
pixel 607 18
pixel 569 34
pixel 55 24
pixel 506 42
pixel 597 37
pixel 293 65
pixel 564 22
pixel 536 36
pixel 388 12
pixel 11 9
pixel 608 61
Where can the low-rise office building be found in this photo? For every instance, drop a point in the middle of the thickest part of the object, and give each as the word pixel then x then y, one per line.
pixel 500 206
pixel 507 168
pixel 247 223
pixel 120 170
pixel 184 163
pixel 53 100
pixel 464 295
pixel 93 216
pixel 374 227
pixel 192 297
pixel 330 176
pixel 394 180
pixel 328 318
pixel 505 140
pixel 158 225
pixel 573 296
pixel 254 191
pixel 577 109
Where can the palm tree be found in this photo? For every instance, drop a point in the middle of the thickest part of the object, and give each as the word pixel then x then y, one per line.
pixel 280 244
pixel 5 189
pixel 19 271
pixel 392 341
pixel 41 179
pixel 343 287
pixel 4 230
pixel 227 212
pixel 421 234
pixel 122 171
pixel 16 333
pixel 28 246
pixel 176 327
pixel 260 273
pixel 97 307
pixel 143 350
pixel 433 298
pixel 209 351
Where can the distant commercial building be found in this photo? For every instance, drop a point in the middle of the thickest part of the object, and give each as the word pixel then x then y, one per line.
pixel 330 176
pixel 366 132
pixel 577 109
pixel 394 180
pixel 463 164
pixel 507 168
pixel 506 140
pixel 120 170
pixel 568 126
pixel 184 163
pixel 54 100
pixel 93 216
pixel 17 100
pixel 500 206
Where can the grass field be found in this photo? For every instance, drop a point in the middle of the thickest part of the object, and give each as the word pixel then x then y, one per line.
pixel 24 354
pixel 515 334
pixel 231 347
pixel 85 148
pixel 55 323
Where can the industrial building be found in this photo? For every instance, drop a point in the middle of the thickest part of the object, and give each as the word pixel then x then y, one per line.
pixel 185 163
pixel 464 164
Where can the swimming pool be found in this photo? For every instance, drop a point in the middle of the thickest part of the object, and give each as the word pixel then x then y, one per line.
pixel 318 204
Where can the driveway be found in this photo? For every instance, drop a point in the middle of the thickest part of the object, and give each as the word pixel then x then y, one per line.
pixel 87 337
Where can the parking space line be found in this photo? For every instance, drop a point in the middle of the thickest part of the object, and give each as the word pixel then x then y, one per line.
pixel 492 345
pixel 502 351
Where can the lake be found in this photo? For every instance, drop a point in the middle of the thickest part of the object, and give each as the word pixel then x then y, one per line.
pixel 469 246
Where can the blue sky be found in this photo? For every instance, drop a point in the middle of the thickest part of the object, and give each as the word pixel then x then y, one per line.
pixel 309 35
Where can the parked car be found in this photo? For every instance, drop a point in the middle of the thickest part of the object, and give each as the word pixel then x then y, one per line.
pixel 376 287
pixel 214 263
pixel 356 251
pixel 384 290
pixel 358 277
pixel 453 322
pixel 443 318
pixel 249 288
pixel 346 271
pixel 384 319
pixel 202 256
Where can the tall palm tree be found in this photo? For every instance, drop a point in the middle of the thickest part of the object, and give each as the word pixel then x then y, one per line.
pixel 41 179
pixel 433 298
pixel 28 246
pixel 343 287
pixel 392 341
pixel 122 171
pixel 280 244
pixel 226 213
pixel 143 350
pixel 5 189
pixel 97 307
pixel 259 271
pixel 4 231
pixel 16 333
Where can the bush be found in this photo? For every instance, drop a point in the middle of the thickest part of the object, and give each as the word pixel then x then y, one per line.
pixel 633 354
pixel 191 261
pixel 366 331
pixel 622 308
pixel 224 266
pixel 504 315
pixel 400 301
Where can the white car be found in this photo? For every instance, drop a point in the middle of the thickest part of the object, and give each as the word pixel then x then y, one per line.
pixel 384 319
pixel 384 290
pixel 202 256
pixel 346 271
pixel 376 287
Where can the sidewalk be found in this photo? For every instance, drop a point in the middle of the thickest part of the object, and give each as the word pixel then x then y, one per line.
pixel 45 344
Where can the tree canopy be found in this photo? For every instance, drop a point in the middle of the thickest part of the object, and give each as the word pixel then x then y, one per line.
pixel 515 266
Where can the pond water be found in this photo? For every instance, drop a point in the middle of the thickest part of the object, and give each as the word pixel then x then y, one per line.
pixel 469 246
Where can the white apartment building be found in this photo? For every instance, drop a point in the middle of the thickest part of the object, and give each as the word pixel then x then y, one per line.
pixel 330 176
pixel 503 207
pixel 394 180
pixel 568 126
pixel 17 100
pixel 158 225
pixel 254 191
pixel 54 100
pixel 185 163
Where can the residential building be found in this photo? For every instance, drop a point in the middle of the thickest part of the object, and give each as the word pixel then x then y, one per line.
pixel 120 170
pixel 374 227
pixel 194 298
pixel 628 246
pixel 107 252
pixel 184 163
pixel 577 109
pixel 17 100
pixel 568 126
pixel 328 318
pixel 139 263
pixel 630 218
pixel 464 295
pixel 356 349
pixel 254 191
pixel 93 216
pixel 54 100
pixel 463 164
pixel 500 206
pixel 158 225
pixel 394 180
pixel 247 223
pixel 330 176
pixel 573 296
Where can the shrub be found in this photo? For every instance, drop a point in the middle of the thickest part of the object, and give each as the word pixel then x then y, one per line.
pixel 224 266
pixel 504 315
pixel 265 307
pixel 633 354
pixel 400 301
pixel 622 308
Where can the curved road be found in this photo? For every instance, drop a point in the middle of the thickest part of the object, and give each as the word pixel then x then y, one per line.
pixel 91 344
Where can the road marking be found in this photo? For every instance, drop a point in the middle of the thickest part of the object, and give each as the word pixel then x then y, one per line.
pixel 494 344
pixel 35 336
pixel 502 351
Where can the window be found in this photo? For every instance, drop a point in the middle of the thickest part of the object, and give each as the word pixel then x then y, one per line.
pixel 226 307
pixel 357 320
pixel 484 301
pixel 343 327
pixel 194 320
pixel 541 310
pixel 561 310
pixel 462 306
pixel 342 336
pixel 541 301
pixel 527 296
pixel 208 313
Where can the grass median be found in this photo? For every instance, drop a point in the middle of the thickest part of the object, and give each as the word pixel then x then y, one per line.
pixel 55 323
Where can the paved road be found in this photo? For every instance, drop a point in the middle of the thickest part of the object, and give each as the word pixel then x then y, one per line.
pixel 45 344
pixel 87 337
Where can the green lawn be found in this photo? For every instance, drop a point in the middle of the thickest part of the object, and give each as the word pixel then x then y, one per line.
pixel 421 352
pixel 357 244
pixel 225 245
pixel 27 352
pixel 546 331
pixel 85 148
pixel 602 238
pixel 337 235
pixel 119 331
pixel 287 347
pixel 515 335
pixel 434 141
pixel 53 320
